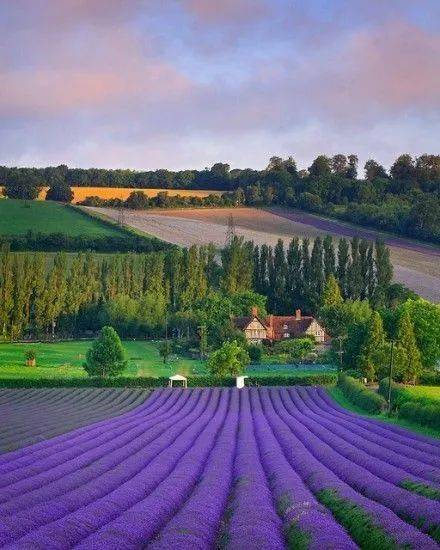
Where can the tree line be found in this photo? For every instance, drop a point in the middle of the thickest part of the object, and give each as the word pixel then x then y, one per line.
pixel 405 199
pixel 142 295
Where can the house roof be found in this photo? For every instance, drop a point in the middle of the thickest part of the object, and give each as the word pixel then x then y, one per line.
pixel 275 324
pixel 243 322
pixel 295 327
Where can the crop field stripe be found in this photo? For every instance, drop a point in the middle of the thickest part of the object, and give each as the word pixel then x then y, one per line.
pixel 84 407
pixel 304 457
pixel 381 462
pixel 371 434
pixel 252 514
pixel 83 450
pixel 28 426
pixel 395 433
pixel 79 439
pixel 298 508
pixel 185 529
pixel 143 520
pixel 263 468
pixel 106 496
pixel 412 507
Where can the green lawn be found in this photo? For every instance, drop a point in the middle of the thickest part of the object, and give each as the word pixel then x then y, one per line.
pixel 340 398
pixel 66 358
pixel 431 392
pixel 18 217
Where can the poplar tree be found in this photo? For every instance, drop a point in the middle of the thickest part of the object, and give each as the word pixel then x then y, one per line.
pixel 384 272
pixel 372 351
pixel 329 257
pixel 317 280
pixel 331 296
pixel 6 289
pixel 412 366
pixel 279 277
pixel 343 265
pixel 354 279
pixel 305 271
pixel 293 275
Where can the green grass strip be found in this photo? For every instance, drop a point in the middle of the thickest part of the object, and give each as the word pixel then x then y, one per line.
pixel 296 539
pixel 421 489
pixel 359 524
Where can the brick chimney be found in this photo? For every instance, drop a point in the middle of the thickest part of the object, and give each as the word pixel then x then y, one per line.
pixel 254 311
pixel 298 315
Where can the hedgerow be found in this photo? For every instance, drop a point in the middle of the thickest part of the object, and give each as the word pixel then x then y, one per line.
pixel 421 410
pixel 150 382
pixel 359 395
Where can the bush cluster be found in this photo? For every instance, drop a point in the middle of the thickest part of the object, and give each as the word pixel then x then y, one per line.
pixel 149 382
pixel 359 395
pixel 421 410
pixel 430 378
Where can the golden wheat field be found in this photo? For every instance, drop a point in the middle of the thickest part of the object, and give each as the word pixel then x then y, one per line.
pixel 416 265
pixel 80 193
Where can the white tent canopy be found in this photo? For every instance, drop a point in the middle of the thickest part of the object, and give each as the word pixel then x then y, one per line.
pixel 177 378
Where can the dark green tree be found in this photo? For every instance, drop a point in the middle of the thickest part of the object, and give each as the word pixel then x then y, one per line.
pixel 106 357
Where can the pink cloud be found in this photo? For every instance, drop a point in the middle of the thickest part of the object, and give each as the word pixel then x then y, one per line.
pixel 392 68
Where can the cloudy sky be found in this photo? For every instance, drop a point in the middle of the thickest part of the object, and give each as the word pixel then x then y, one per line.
pixel 147 84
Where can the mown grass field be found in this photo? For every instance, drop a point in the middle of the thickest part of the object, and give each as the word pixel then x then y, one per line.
pixel 432 392
pixel 17 217
pixel 64 359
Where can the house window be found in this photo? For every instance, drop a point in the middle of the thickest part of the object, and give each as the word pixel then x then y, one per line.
pixel 285 327
pixel 286 335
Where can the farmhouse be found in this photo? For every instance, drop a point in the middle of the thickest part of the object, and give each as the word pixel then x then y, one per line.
pixel 275 327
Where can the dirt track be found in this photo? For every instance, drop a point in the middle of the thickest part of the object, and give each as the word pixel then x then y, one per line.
pixel 415 264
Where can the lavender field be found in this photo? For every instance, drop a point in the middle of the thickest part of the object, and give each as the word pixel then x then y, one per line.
pixel 262 468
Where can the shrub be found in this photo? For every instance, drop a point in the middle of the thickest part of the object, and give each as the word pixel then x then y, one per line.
pixel 358 394
pixel 106 356
pixel 230 359
pixel 421 410
pixel 60 192
pixel 430 378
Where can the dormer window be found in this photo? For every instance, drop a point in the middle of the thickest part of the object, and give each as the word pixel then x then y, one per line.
pixel 285 327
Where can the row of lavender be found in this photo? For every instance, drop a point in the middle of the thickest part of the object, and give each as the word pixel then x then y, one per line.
pixel 36 414
pixel 257 468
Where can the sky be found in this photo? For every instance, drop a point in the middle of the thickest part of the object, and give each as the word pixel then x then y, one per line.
pixel 177 84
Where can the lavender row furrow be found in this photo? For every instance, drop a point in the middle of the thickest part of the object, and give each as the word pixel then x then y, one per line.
pixel 196 524
pixel 142 521
pixel 396 433
pixel 318 476
pixel 103 482
pixel 95 462
pixel 110 501
pixel 253 521
pixel 388 466
pixel 103 436
pixel 416 508
pixel 296 503
pixel 30 455
pixel 373 435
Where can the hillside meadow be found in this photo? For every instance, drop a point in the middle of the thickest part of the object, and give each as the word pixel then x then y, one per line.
pixel 17 217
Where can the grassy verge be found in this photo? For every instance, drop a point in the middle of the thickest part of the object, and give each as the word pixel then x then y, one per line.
pixel 340 398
